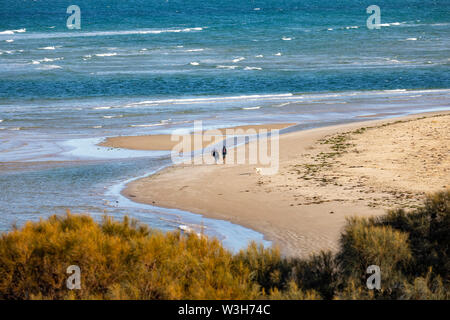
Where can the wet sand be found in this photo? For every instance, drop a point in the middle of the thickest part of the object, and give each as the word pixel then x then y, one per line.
pixel 160 142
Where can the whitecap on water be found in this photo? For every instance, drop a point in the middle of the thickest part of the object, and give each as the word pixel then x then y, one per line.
pixel 50 48
pixel 226 67
pixel 194 50
pixel 194 63
pixel 46 60
pixel 390 24
pixel 111 117
pixel 106 54
pixel 102 108
pixel 252 68
pixel 13 31
pixel 50 67
pixel 238 59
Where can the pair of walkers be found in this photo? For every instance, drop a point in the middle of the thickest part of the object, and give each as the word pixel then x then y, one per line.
pixel 216 155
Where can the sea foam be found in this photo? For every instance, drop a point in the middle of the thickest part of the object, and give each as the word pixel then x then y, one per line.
pixel 106 54
pixel 50 48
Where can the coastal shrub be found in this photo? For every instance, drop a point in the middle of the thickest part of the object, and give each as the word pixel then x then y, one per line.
pixel 425 288
pixel 428 229
pixel 292 292
pixel 118 260
pixel 267 268
pixel 128 260
pixel 319 273
pixel 363 244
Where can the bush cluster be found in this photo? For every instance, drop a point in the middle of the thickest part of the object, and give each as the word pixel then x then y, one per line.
pixel 127 260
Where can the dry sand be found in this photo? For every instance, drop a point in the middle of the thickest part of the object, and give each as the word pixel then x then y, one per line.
pixel 325 175
pixel 165 142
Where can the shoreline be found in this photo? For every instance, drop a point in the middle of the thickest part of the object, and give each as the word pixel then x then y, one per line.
pixel 163 142
pixel 316 226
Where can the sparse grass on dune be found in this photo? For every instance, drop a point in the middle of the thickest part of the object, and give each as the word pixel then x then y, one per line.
pixel 126 260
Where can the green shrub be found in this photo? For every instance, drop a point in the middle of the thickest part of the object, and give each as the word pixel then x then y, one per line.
pixel 363 244
pixel 425 288
pixel 118 260
pixel 292 292
pixel 319 273
pixel 267 268
pixel 127 260
pixel 428 230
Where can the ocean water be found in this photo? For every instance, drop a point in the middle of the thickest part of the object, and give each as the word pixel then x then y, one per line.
pixel 143 67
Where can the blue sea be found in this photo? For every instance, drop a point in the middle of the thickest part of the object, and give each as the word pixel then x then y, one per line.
pixel 143 67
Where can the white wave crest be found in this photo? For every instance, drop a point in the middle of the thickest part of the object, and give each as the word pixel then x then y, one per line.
pixel 226 67
pixel 13 31
pixel 252 68
pixel 111 117
pixel 112 54
pixel 238 59
pixel 46 60
pixel 50 48
pixel 194 50
pixel 212 99
pixel 390 24
pixel 102 108
pixel 50 67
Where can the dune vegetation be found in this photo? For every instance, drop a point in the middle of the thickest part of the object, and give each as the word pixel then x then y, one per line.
pixel 127 260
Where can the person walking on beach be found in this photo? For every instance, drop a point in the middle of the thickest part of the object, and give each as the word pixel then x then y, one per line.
pixel 215 154
pixel 224 153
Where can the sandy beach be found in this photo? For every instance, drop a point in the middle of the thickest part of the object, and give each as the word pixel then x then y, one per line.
pixel 325 175
pixel 158 142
